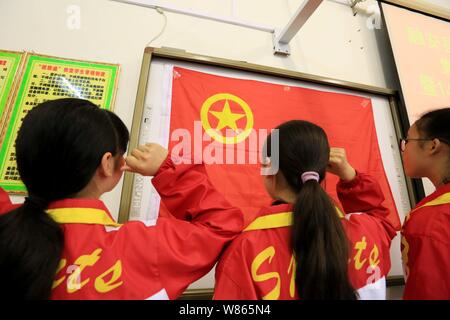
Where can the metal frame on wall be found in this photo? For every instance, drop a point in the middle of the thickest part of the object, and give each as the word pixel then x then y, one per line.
pixel 182 56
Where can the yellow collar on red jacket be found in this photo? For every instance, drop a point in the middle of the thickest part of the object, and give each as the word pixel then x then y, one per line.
pixel 82 211
pixel 276 220
pixel 442 199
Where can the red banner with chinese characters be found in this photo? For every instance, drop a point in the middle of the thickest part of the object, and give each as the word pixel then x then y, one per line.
pixel 214 106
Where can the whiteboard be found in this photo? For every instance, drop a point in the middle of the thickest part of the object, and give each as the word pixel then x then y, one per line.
pixel 425 82
pixel 155 126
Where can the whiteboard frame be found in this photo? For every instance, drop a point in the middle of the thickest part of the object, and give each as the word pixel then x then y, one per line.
pixel 422 186
pixel 420 6
pixel 182 56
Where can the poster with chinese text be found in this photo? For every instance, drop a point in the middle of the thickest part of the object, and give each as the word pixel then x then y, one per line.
pixel 49 78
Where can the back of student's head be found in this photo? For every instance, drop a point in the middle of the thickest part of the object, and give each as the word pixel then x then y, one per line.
pixel 318 239
pixel 58 149
pixel 435 124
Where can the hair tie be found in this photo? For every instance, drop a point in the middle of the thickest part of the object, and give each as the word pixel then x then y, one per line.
pixel 310 175
pixel 36 202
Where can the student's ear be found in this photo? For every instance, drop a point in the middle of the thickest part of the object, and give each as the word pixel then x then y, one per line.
pixel 106 167
pixel 436 146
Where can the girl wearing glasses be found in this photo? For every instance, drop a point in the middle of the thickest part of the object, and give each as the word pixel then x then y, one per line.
pixel 426 230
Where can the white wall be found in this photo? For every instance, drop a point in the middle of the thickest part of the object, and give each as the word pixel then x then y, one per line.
pixel 333 43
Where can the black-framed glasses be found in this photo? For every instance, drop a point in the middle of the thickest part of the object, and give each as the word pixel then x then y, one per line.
pixel 403 141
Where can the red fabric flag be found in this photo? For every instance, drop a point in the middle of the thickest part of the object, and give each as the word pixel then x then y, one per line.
pixel 235 105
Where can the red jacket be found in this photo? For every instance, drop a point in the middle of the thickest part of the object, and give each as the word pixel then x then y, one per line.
pixel 426 247
pixel 105 260
pixel 259 264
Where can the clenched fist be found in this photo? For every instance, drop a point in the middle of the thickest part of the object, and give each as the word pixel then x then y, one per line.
pixel 146 159
pixel 339 165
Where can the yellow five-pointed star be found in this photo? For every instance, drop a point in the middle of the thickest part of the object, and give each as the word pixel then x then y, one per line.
pixel 227 118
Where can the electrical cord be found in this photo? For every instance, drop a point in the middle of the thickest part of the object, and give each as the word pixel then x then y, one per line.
pixel 160 11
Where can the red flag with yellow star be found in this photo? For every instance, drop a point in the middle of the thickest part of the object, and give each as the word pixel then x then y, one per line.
pixel 230 116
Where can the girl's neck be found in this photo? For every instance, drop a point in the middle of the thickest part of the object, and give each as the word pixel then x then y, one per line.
pixel 90 192
pixel 286 196
pixel 439 181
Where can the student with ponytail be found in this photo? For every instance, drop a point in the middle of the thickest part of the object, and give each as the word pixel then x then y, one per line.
pixel 426 230
pixel 62 242
pixel 302 246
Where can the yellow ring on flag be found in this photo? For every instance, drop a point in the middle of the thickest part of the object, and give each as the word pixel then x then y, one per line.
pixel 212 132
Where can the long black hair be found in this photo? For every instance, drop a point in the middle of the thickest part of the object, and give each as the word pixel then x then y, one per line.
pixel 58 149
pixel 318 239
pixel 436 124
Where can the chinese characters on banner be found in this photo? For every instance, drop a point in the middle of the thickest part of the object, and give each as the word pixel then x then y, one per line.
pixel 421 46
pixel 48 78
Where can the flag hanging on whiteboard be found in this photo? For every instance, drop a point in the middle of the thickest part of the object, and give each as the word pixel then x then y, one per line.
pixel 206 108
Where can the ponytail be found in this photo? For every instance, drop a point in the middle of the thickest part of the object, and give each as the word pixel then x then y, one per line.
pixel 320 247
pixel 319 243
pixel 31 244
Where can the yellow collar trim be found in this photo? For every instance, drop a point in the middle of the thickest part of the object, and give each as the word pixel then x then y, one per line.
pixel 276 220
pixel 442 199
pixel 271 221
pixel 82 215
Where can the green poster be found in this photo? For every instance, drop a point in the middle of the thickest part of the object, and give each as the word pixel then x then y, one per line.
pixel 9 65
pixel 48 78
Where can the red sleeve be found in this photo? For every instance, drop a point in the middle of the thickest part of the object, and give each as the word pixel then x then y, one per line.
pixel 5 202
pixel 427 268
pixel 187 250
pixel 363 194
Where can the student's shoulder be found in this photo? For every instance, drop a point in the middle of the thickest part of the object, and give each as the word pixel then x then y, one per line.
pixel 434 207
pixel 244 241
pixel 251 242
pixel 245 244
pixel 429 221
